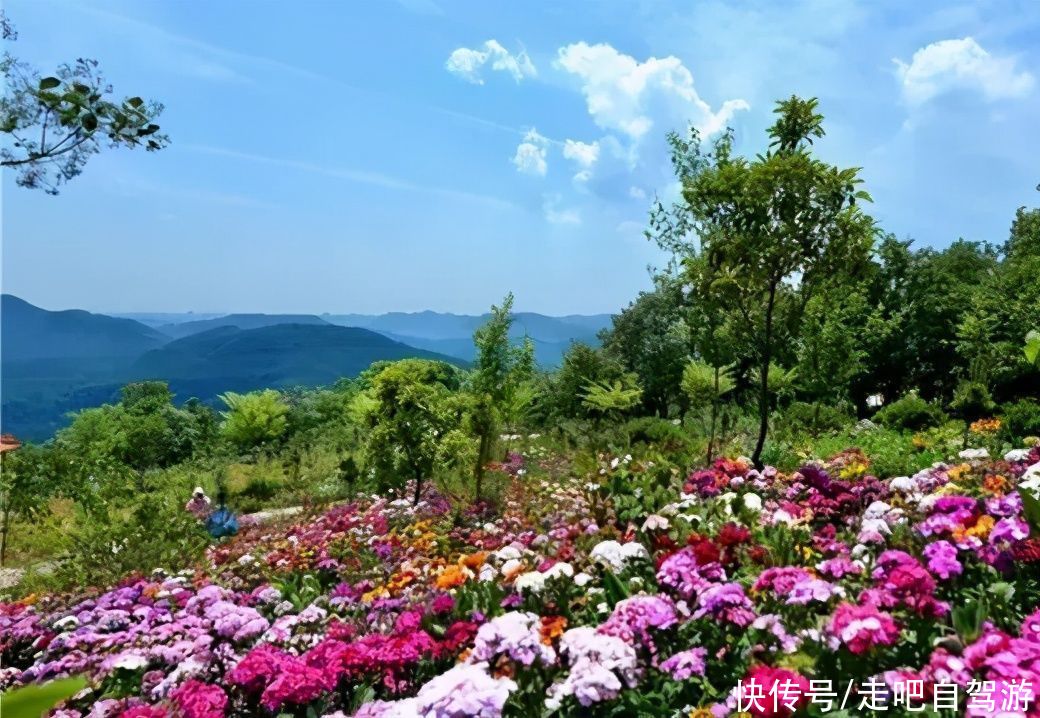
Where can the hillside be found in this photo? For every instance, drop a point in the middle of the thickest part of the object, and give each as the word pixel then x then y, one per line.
pixel 274 356
pixel 28 332
pixel 239 321
pixel 53 363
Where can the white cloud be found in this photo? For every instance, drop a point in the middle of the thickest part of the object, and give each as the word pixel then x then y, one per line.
pixel 468 63
pixel 636 192
pixel 632 97
pixel 584 154
pixel 960 64
pixel 556 215
pixel 530 154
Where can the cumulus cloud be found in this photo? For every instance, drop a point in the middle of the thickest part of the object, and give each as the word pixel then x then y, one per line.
pixel 469 63
pixel 530 154
pixel 554 214
pixel 584 153
pixel 632 97
pixel 960 64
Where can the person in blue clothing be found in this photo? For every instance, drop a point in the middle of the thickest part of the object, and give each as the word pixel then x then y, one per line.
pixel 222 522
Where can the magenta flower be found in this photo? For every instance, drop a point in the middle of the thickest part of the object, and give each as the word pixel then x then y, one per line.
pixel 861 628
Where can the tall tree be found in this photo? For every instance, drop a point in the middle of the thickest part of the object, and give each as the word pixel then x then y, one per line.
pixel 52 125
pixel 500 369
pixel 773 228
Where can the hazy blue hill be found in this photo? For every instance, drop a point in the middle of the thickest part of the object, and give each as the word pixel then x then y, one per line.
pixel 453 333
pixel 158 319
pixel 437 325
pixel 276 356
pixel 239 321
pixel 28 332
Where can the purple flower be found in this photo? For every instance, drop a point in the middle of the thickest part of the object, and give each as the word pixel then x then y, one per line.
pixel 942 559
pixel 726 602
pixel 685 664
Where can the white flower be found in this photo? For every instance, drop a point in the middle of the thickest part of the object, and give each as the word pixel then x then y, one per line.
pixel 559 569
pixel 603 607
pixel 510 566
pixel 582 579
pixel 902 484
pixel 530 582
pixel 614 462
pixel 972 454
pixel 1017 455
pixel 753 502
pixel 655 522
pixel 615 555
pixel 67 622
pixel 131 661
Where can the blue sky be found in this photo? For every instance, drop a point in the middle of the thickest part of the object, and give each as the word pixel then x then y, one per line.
pixel 379 156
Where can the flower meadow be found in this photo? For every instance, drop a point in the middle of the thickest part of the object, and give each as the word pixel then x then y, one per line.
pixel 747 592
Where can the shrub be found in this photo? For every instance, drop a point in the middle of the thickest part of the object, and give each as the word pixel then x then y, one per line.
pixel 1019 420
pixel 814 419
pixel 910 413
pixel 669 438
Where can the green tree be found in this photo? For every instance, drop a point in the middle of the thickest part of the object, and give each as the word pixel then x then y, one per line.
pixel 560 392
pixel 612 399
pixel 52 125
pixel 830 352
pixel 773 229
pixel 143 431
pixel 28 478
pixel 411 414
pixel 705 385
pixel 650 337
pixel 500 369
pixel 254 420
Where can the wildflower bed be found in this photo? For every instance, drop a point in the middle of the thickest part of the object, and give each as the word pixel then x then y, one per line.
pixel 751 592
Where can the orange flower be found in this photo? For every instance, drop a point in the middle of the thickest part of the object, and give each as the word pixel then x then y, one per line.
pixel 474 561
pixel 552 628
pixel 995 484
pixel 986 426
pixel 451 577
pixel 980 530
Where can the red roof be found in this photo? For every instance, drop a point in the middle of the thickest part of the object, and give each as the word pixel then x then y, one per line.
pixel 8 443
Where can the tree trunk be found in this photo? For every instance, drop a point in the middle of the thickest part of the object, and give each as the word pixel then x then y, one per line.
pixel 714 416
pixel 763 399
pixel 3 535
pixel 478 473
pixel 418 486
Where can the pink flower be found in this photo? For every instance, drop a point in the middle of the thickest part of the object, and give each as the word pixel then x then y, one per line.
pixel 863 627
pixel 196 699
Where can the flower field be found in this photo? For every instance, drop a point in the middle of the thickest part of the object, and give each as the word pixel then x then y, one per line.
pixel 747 592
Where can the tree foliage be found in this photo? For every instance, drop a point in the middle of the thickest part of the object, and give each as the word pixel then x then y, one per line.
pixel 53 124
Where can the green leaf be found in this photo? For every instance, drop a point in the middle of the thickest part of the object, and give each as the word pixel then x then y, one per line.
pixel 90 122
pixel 968 619
pixel 33 701
pixel 135 102
pixel 1032 347
pixel 49 83
pixel 1031 509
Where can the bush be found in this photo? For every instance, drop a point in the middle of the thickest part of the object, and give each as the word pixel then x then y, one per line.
pixel 1019 420
pixel 669 438
pixel 107 545
pixel 910 413
pixel 813 419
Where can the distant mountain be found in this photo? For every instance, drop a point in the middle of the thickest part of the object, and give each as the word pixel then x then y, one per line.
pixel 453 333
pixel 437 325
pixel 28 332
pixel 52 363
pixel 158 319
pixel 273 356
pixel 238 321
